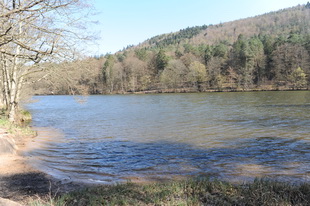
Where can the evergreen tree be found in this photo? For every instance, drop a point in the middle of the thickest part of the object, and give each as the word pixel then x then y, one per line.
pixel 268 44
pixel 257 60
pixel 161 61
pixel 141 54
pixel 220 50
pixel 287 57
pixel 208 54
pixel 107 72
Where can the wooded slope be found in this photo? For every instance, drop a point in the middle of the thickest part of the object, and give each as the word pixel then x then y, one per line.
pixel 266 52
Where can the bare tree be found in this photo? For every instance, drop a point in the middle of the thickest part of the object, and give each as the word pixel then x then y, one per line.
pixel 36 31
pixel 174 74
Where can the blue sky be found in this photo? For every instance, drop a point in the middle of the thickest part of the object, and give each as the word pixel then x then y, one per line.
pixel 127 22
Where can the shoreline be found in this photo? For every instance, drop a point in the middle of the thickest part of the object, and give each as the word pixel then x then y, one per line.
pixel 21 182
pixel 184 90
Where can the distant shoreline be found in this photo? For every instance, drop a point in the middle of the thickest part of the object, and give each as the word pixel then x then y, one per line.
pixel 184 90
pixel 212 91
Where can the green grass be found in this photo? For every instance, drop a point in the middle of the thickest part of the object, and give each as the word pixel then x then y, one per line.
pixel 16 129
pixel 25 116
pixel 188 192
pixel 21 128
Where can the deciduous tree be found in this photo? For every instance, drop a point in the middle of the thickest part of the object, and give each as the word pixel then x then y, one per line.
pixel 32 32
pixel 174 74
pixel 298 78
pixel 197 74
pixel 286 58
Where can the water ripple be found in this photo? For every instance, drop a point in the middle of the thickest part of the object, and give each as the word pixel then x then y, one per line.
pixel 234 136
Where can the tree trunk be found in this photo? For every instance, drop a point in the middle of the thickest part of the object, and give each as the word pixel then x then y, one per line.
pixel 5 86
pixel 15 85
pixel 13 98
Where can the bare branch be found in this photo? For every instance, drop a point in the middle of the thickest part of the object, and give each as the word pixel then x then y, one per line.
pixel 6 32
pixel 29 48
pixel 36 31
pixel 21 9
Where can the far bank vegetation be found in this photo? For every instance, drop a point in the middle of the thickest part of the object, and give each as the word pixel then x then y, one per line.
pixel 266 52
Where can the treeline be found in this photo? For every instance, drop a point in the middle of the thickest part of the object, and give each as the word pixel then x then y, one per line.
pixel 257 62
pixel 175 38
pixel 267 52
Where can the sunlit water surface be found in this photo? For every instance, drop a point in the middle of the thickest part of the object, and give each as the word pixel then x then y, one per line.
pixel 231 136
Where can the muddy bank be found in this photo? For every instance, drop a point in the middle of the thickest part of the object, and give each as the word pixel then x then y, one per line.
pixel 19 181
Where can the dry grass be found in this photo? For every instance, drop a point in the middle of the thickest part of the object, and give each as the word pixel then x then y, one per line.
pixel 190 192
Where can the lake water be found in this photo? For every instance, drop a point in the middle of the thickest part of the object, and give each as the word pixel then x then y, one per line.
pixel 230 136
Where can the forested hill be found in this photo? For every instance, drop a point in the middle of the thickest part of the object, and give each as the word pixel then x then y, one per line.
pixel 283 22
pixel 266 52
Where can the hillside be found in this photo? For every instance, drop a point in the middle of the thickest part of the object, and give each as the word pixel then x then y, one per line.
pixel 265 52
pixel 283 22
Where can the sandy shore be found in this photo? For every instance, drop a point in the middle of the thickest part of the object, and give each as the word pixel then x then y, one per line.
pixel 20 182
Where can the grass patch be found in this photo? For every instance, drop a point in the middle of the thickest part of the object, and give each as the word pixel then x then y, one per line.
pixel 188 192
pixel 18 129
pixel 25 116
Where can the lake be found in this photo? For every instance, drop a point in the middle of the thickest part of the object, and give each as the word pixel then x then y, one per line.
pixel 230 136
